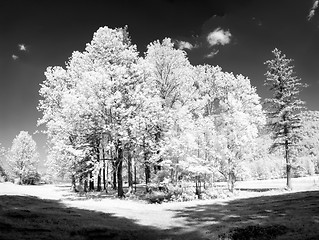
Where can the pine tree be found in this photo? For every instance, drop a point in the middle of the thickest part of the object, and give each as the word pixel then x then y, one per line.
pixel 284 107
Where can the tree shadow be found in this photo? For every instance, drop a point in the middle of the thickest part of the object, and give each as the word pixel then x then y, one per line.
pixel 27 217
pixel 258 189
pixel 286 216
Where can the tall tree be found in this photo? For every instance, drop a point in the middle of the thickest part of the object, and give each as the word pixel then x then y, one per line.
pixel 284 107
pixel 171 76
pixel 95 97
pixel 238 123
pixel 23 157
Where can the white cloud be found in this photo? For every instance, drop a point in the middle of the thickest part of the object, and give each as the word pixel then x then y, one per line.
pixel 313 10
pixel 185 45
pixel 22 47
pixel 212 54
pixel 14 57
pixel 219 37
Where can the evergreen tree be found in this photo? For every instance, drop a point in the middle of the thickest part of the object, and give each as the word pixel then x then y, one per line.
pixel 284 107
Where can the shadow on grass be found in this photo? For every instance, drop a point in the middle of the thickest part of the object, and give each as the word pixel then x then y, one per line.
pixel 258 189
pixel 26 217
pixel 96 195
pixel 285 216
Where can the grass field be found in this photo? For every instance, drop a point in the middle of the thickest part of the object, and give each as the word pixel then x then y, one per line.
pixel 260 210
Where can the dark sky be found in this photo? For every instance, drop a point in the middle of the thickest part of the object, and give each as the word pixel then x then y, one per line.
pixel 38 34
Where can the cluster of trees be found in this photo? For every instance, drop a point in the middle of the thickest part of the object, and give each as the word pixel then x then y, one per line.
pixel 113 116
pixel 21 160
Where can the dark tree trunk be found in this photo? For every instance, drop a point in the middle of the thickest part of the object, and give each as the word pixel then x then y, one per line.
pixel 104 183
pixel 157 166
pixel 147 173
pixel 198 190
pixel 99 184
pixel 135 175
pixel 147 167
pixel 114 175
pixel 129 170
pixel 73 186
pixel 147 176
pixel 85 187
pixel 288 166
pixel 107 176
pixel 288 163
pixel 119 164
pixel 91 182
pixel 81 183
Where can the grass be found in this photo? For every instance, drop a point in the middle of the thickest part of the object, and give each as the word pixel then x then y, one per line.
pixel 295 215
pixel 53 212
pixel 27 217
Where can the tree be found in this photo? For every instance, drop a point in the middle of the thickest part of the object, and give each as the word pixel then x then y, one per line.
pixel 309 146
pixel 2 170
pixel 284 107
pixel 93 99
pixel 23 158
pixel 238 123
pixel 171 77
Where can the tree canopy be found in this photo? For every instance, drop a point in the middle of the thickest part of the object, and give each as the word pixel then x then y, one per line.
pixel 111 113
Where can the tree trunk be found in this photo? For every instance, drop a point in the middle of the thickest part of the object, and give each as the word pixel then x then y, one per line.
pixel 119 164
pixel 99 184
pixel 231 181
pixel 172 176
pixel 73 187
pixel 85 187
pixel 114 175
pixel 104 183
pixel 107 176
pixel 135 176
pixel 91 182
pixel 288 166
pixel 147 170
pixel 129 170
pixel 147 175
pixel 198 187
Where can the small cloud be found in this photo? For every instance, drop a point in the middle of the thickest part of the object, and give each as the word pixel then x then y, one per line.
pixel 22 47
pixel 212 54
pixel 218 37
pixel 313 9
pixel 185 45
pixel 14 57
pixel 311 14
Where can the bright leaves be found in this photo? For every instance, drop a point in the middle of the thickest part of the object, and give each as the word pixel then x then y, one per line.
pixel 160 111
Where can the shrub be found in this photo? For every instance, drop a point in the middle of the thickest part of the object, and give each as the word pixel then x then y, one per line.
pixel 216 192
pixel 156 197
pixel 3 175
pixel 271 167
pixel 31 178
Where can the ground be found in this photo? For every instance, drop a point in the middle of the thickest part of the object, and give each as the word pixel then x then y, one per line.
pixel 259 210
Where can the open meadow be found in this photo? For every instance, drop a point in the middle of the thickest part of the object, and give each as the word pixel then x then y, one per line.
pixel 261 210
